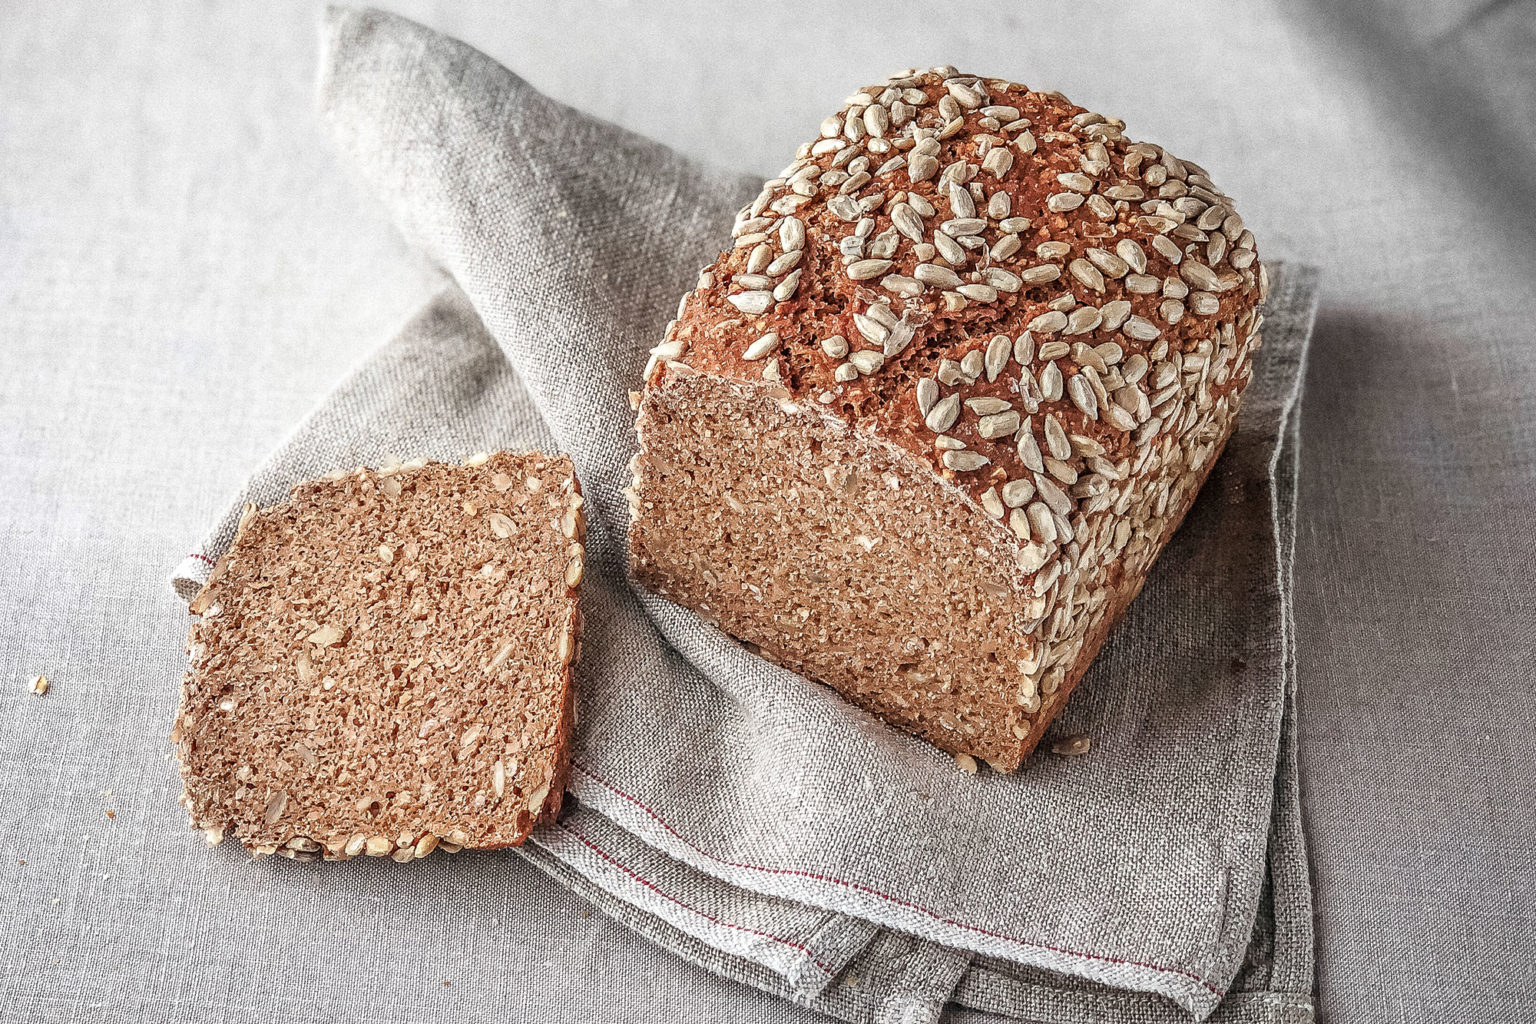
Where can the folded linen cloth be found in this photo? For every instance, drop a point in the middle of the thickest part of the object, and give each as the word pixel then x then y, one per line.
pixel 730 810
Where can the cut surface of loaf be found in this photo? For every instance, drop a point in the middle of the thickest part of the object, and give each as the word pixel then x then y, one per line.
pixel 920 433
pixel 382 663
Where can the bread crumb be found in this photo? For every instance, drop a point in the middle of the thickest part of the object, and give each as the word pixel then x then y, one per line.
pixel 966 763
pixel 38 685
pixel 1072 746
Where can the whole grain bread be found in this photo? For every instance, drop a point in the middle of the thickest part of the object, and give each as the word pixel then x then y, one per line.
pixel 920 433
pixel 382 664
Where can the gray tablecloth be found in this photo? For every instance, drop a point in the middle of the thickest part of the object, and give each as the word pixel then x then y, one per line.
pixel 185 270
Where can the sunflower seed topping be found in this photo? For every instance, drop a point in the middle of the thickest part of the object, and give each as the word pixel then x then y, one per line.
pixel 937 276
pixel 863 270
pixel 752 303
pixel 927 395
pixel 867 361
pixel 944 414
pixel 1083 396
pixel 987 405
pixel 965 461
pixel 1087 273
pixel 760 348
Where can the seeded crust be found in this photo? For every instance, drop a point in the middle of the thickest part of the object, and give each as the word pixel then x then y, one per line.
pixel 980 328
pixel 382 665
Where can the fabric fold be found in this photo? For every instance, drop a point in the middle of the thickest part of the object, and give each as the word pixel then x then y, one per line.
pixel 726 808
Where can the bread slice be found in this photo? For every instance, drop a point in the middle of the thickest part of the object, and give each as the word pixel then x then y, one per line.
pixel 383 663
pixel 921 431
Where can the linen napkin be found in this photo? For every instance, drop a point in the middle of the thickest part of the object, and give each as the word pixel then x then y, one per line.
pixel 728 809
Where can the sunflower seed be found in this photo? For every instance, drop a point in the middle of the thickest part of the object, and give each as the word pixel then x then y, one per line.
pixel 1062 202
pixel 987 405
pixel 1024 349
pixel 906 287
pixel 978 292
pixel 961 206
pixel 1018 522
pixel 1140 329
pixel 1083 397
pixel 965 461
pixel 1056 438
pixel 991 502
pixel 1083 319
pixel 1005 247
pixel 882 314
pixel 1114 314
pixel 967 97
pixel 1171 310
pixel 1087 273
pixel 900 337
pixel 1016 493
pixel 863 270
pixel 907 221
pixel 1042 274
pixel 1215 249
pixel 921 167
pixel 836 346
pixel 784 263
pixel 927 395
pixel 1042 525
pixel 866 361
pixel 876 120
pixel 1168 249
pixel 845 372
pixel 760 348
pixel 1142 284
pixel 944 414
pixel 1049 323
pixel 1000 205
pixel 871 329
pixel 752 303
pixel 1000 425
pixel 997 162
pixel 1053 496
pixel 958 226
pixel 1071 746
pixel 998 350
pixel 1199 276
pixel 1108 262
pixel 1050 382
pixel 792 234
pixel 939 277
pixel 948 248
pixel 1204 303
pixel 844 208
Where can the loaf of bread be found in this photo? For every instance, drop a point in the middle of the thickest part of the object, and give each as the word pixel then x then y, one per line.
pixel 382 665
pixel 920 433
